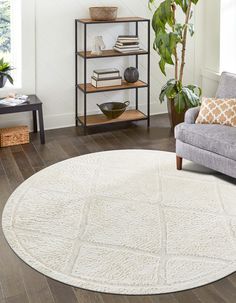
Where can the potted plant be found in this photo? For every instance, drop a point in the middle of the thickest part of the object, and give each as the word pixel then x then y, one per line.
pixel 5 69
pixel 170 43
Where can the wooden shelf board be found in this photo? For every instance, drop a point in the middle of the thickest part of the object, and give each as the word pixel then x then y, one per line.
pixel 100 119
pixel 125 85
pixel 111 53
pixel 118 20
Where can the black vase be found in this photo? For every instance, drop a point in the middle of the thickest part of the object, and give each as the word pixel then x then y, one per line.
pixel 131 74
pixel 3 80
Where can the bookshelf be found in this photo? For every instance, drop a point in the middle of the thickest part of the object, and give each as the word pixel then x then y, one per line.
pixel 86 88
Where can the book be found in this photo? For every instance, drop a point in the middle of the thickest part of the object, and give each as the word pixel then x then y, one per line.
pixel 106 73
pixel 126 46
pixel 106 76
pixel 18 100
pixel 129 50
pixel 127 40
pixel 127 37
pixel 127 43
pixel 106 70
pixel 106 82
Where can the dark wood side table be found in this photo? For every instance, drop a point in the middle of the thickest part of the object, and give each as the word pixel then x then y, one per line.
pixel 34 105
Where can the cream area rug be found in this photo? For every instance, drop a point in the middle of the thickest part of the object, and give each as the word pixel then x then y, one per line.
pixel 125 222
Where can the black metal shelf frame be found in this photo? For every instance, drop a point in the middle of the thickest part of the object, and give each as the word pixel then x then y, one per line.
pixel 85 58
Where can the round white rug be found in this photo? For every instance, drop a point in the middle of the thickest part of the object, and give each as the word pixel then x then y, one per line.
pixel 125 222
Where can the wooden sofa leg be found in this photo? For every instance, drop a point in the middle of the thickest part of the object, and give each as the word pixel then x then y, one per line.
pixel 179 163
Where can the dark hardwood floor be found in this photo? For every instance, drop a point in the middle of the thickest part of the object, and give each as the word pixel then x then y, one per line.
pixel 21 284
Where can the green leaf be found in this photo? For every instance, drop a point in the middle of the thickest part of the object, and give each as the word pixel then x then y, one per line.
pixel 150 3
pixel 8 77
pixel 178 28
pixel 179 86
pixel 4 66
pixel 162 65
pixel 163 15
pixel 171 81
pixel 169 90
pixel 162 95
pixel 191 98
pixel 196 89
pixel 183 4
pixel 165 44
pixel 179 102
pixel 191 29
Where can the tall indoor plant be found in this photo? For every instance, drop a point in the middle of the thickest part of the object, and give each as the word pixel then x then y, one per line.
pixel 170 43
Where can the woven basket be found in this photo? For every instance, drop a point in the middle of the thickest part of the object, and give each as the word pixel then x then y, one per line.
pixel 14 136
pixel 103 13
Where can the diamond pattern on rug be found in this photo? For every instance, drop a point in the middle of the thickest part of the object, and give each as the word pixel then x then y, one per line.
pixel 125 222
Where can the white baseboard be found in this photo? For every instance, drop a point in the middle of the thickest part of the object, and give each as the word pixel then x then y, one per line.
pixel 50 121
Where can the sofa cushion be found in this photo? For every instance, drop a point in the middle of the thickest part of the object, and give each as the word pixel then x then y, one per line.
pixel 217 111
pixel 218 139
pixel 227 86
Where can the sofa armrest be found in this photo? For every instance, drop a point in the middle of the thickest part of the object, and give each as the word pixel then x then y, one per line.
pixel 191 115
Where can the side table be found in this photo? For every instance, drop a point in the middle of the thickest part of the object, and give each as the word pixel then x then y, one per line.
pixel 34 105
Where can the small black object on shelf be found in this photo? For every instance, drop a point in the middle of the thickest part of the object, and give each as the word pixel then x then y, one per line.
pixel 113 110
pixel 131 74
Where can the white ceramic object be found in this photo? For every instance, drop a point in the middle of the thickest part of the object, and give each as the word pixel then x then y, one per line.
pixel 98 46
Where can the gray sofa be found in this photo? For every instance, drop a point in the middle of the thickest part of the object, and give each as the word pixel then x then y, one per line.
pixel 213 146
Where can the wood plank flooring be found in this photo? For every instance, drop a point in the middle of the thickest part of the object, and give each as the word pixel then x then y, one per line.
pixel 21 284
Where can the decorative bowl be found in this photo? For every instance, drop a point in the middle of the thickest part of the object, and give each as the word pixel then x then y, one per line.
pixel 113 110
pixel 103 13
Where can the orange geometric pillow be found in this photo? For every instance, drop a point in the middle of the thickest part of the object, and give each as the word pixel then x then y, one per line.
pixel 217 111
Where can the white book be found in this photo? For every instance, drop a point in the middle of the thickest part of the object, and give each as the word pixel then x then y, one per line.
pixel 103 83
pixel 127 41
pixel 128 38
pixel 106 73
pixel 130 50
pixel 106 76
pixel 118 45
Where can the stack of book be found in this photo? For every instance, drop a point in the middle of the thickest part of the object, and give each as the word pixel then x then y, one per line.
pixel 127 44
pixel 106 77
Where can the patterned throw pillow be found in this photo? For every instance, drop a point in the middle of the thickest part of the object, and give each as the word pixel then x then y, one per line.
pixel 217 111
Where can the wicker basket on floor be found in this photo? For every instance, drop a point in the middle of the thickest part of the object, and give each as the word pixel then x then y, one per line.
pixel 14 136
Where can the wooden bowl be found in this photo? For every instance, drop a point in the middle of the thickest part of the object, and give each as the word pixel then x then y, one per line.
pixel 103 13
pixel 113 110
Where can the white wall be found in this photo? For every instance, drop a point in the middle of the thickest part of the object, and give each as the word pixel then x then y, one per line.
pixel 228 41
pixel 211 46
pixel 55 60
pixel 55 55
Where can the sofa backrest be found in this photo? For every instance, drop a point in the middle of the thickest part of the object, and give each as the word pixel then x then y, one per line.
pixel 227 86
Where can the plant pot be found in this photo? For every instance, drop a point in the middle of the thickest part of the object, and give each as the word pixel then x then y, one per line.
pixel 174 117
pixel 3 80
